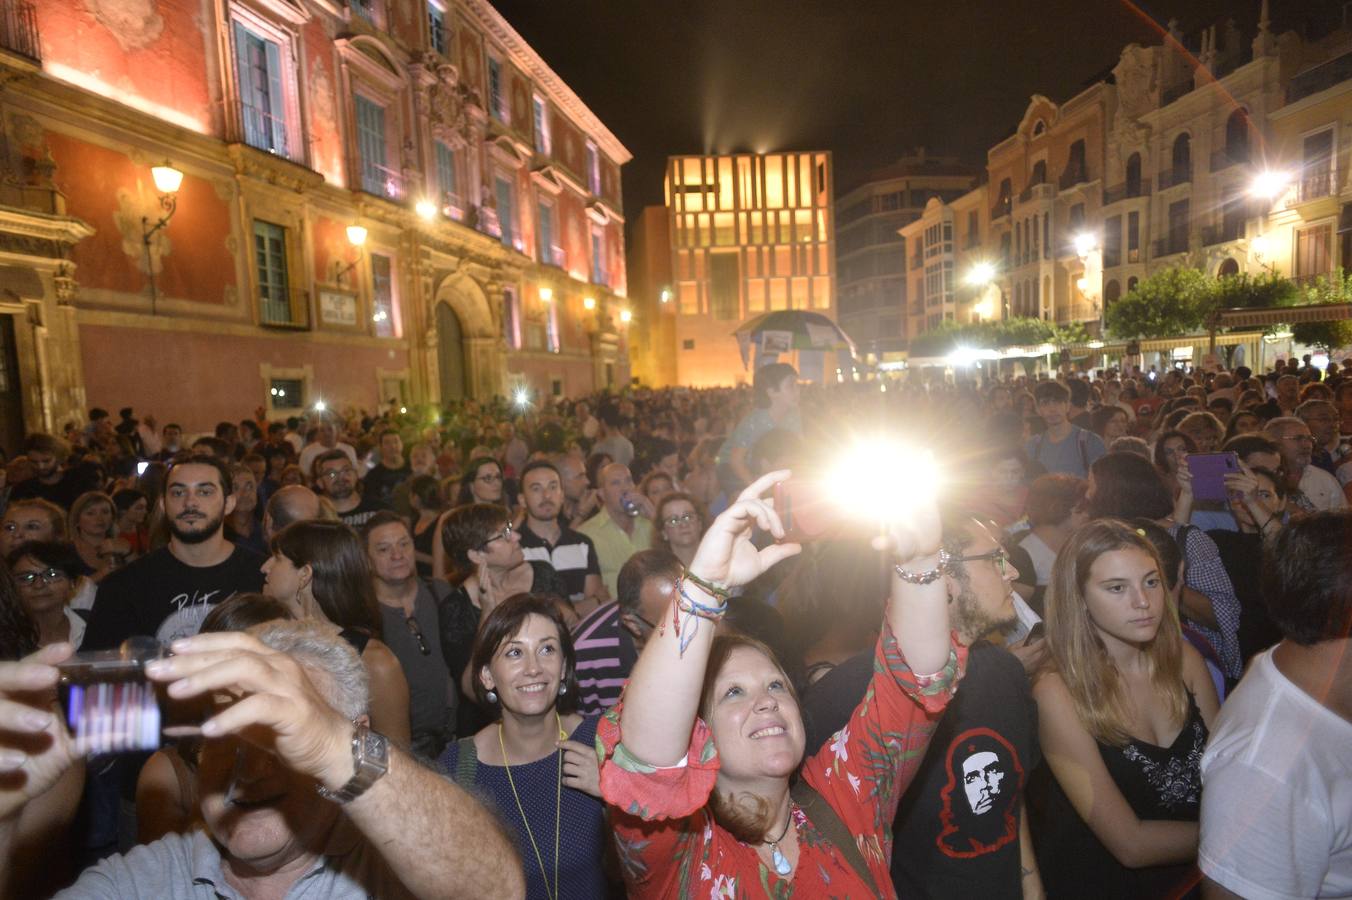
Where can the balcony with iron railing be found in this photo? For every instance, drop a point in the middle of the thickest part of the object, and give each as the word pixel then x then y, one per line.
pixel 1174 177
pixel 1315 185
pixel 19 29
pixel 269 133
pixel 1232 230
pixel 1227 157
pixel 1073 176
pixel 381 181
pixel 1118 193
pixel 1039 191
pixel 1169 246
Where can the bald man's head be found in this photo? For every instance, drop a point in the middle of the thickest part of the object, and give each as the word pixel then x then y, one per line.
pixel 293 503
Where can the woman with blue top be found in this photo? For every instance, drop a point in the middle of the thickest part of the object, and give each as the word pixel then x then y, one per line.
pixel 536 765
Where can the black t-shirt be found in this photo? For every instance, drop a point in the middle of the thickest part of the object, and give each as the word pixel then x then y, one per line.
pixel 956 833
pixel 573 557
pixel 1242 556
pixel 356 517
pixel 380 482
pixel 63 493
pixel 161 596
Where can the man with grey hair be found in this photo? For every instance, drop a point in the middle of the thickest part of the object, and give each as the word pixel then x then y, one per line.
pixel 1324 422
pixel 311 805
pixel 1312 489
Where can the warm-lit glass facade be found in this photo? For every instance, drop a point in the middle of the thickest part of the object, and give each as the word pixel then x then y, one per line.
pixel 750 233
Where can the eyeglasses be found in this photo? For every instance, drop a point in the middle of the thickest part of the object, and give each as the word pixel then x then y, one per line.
pixel 504 535
pixel 416 631
pixel 335 474
pixel 673 521
pixel 999 555
pixel 490 478
pixel 51 576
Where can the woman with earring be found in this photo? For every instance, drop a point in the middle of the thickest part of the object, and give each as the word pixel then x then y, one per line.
pixel 319 569
pixel 700 753
pixel 536 765
pixel 482 482
pixel 487 566
pixel 92 517
pixel 680 523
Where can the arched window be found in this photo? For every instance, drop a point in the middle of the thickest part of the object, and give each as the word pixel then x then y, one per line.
pixel 1039 172
pixel 1182 159
pixel 1005 199
pixel 1229 267
pixel 1131 284
pixel 1111 291
pixel 1038 128
pixel 1237 136
pixel 1134 175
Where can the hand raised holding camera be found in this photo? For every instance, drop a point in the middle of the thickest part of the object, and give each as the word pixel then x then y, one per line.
pixel 35 748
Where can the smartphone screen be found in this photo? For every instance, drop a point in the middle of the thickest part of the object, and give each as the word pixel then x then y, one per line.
pixel 109 705
pixel 1208 474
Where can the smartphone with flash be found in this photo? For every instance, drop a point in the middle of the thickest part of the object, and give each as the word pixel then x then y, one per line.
pixel 1208 474
pixel 806 509
pixel 107 703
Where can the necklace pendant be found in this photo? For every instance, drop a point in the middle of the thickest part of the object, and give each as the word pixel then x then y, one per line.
pixel 781 862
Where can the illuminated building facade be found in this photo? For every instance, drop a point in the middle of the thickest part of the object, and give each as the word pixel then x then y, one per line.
pixel 749 233
pixel 487 194
pixel 652 333
pixel 944 243
pixel 870 251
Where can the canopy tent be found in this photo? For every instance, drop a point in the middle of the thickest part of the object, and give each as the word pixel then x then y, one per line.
pixel 812 335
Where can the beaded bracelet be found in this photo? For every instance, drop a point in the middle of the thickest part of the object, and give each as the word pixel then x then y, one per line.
pixel 693 611
pixel 928 577
pixel 720 592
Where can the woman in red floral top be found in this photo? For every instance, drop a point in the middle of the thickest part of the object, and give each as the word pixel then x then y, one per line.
pixel 699 756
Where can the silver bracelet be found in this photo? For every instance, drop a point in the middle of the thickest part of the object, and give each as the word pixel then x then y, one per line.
pixel 929 577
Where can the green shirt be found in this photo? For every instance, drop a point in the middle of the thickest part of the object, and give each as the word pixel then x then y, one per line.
pixel 613 546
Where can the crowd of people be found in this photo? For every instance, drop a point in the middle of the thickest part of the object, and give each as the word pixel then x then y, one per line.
pixel 1093 642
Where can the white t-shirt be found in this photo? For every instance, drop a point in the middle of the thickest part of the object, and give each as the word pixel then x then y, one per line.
pixel 1322 489
pixel 1277 792
pixel 1043 557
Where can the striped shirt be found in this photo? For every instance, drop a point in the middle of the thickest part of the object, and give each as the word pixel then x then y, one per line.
pixel 605 656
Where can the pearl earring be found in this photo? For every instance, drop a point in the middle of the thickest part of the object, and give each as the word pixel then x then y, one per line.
pixel 492 697
pixel 563 689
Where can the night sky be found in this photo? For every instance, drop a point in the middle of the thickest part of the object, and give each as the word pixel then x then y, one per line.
pixel 865 79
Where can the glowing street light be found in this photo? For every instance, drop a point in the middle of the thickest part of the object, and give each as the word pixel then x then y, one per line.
pixel 1085 243
pixel 320 406
pixel 356 235
pixel 589 303
pixel 167 179
pixel 1259 245
pixel 1269 184
pixel 626 316
pixel 426 209
pixel 666 296
pixel 981 274
pixel 546 294
pixel 167 182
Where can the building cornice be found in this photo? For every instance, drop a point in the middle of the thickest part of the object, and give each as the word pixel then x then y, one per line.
pixel 43 226
pixel 524 57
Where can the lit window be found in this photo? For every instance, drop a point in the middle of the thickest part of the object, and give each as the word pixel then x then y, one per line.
pixel 436 27
pixel 506 198
pixel 382 296
pixel 598 248
pixel 376 177
pixel 274 296
pixel 552 328
pixel 261 66
pixel 547 253
pixel 286 393
pixel 497 97
pixel 446 180
pixel 593 170
pixel 511 318
pixel 543 143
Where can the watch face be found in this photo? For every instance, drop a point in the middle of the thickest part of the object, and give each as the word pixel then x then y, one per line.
pixel 374 748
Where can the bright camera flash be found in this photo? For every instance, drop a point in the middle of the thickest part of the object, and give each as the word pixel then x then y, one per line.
pixel 882 480
pixel 521 396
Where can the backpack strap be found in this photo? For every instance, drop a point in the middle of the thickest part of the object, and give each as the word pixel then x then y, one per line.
pixel 828 822
pixel 466 762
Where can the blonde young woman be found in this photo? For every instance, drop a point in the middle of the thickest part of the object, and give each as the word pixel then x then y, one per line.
pixel 1124 707
pixel 92 520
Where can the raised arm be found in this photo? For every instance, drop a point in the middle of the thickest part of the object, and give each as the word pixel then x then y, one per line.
pixel 918 613
pixel 662 698
pixel 432 835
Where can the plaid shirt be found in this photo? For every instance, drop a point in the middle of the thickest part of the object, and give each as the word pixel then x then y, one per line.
pixel 1205 573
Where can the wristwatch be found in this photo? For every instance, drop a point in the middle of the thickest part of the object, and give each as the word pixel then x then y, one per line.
pixel 370 758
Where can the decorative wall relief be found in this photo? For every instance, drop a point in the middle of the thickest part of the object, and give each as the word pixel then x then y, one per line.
pixel 135 24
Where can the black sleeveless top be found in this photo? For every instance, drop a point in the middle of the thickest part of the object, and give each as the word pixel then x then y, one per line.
pixel 357 638
pixel 1157 782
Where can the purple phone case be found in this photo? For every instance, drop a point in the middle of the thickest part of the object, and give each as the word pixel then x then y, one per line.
pixel 1208 474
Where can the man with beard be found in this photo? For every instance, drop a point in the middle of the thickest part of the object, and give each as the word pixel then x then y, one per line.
pixel 545 537
pixel 50 481
pixel 960 829
pixel 336 478
pixel 167 593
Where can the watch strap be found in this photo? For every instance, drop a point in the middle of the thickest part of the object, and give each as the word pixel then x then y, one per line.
pixel 370 761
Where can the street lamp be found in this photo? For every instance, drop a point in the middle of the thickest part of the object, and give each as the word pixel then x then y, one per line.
pixel 1085 242
pixel 626 315
pixel 426 209
pixel 666 295
pixel 546 294
pixel 356 236
pixel 1269 184
pixel 167 182
pixel 981 274
pixel 589 303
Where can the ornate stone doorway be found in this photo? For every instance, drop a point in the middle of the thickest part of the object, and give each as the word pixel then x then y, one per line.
pixel 450 353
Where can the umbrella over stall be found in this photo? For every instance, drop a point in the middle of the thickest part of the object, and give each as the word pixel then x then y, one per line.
pixel 785 331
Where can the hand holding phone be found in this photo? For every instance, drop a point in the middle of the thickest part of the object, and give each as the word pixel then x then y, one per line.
pixel 1209 471
pixel 109 705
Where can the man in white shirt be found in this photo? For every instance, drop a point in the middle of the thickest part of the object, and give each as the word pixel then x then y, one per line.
pixel 328 440
pixel 1315 489
pixel 1276 816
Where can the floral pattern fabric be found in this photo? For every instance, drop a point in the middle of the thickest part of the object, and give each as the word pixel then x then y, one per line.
pixel 670 845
